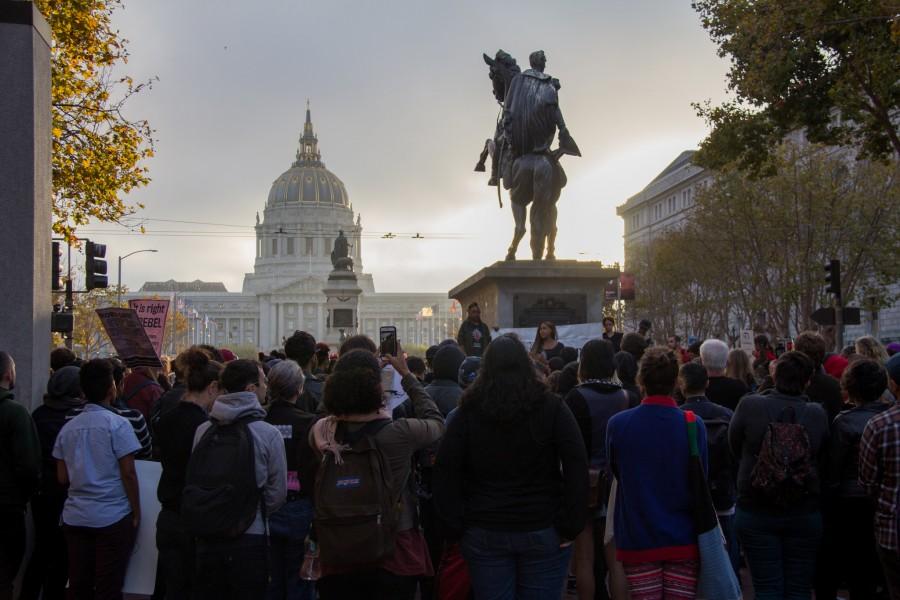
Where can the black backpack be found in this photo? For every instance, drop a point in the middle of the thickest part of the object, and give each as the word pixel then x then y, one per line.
pixel 785 472
pixel 721 464
pixel 220 495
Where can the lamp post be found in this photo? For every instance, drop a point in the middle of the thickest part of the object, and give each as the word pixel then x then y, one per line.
pixel 119 286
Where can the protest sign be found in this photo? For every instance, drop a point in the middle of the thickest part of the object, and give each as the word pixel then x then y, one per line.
pixel 128 337
pixel 152 315
pixel 140 578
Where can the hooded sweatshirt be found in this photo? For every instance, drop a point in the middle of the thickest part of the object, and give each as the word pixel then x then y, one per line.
pixel 268 448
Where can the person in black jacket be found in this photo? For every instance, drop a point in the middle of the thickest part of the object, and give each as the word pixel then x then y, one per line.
pixel 289 526
pixel 822 388
pixel 851 512
pixel 445 389
pixel 780 542
pixel 301 348
pixel 473 336
pixel 596 398
pixel 175 439
pixel 498 483
pixel 47 571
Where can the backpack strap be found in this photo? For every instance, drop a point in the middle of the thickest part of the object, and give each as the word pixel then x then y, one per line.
pixel 370 429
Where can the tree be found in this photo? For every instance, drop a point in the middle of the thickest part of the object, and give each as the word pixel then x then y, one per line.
pixel 755 245
pixel 830 68
pixel 97 150
pixel 89 338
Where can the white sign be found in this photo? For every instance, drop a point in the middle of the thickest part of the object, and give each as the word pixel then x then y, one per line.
pixel 572 336
pixel 140 578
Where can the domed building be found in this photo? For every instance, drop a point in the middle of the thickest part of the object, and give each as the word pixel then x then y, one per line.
pixel 306 208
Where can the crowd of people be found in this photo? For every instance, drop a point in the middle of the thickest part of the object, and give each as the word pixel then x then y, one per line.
pixel 484 469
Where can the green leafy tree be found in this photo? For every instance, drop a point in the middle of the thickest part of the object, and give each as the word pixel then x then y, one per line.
pixel 755 245
pixel 97 151
pixel 830 68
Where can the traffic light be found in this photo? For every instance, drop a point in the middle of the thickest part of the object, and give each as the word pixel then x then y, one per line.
pixel 56 273
pixel 95 266
pixel 833 277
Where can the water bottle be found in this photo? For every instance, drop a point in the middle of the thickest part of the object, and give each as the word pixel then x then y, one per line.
pixel 311 569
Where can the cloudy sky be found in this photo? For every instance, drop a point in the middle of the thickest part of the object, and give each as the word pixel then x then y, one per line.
pixel 402 104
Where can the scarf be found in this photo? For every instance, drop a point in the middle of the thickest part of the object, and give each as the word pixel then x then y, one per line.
pixel 324 431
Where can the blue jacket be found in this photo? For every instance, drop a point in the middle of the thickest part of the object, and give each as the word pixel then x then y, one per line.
pixel 648 451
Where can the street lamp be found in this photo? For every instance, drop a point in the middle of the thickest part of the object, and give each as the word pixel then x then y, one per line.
pixel 119 286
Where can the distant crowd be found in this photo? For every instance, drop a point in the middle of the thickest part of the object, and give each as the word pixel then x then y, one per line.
pixel 484 469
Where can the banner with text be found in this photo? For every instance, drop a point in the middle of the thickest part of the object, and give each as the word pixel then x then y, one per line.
pixel 128 337
pixel 152 313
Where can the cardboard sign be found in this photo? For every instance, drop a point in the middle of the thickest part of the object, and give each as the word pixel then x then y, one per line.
pixel 152 315
pixel 128 337
pixel 140 578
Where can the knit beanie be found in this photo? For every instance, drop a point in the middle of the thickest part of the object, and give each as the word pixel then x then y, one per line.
pixel 834 365
pixel 64 383
pixel 468 371
pixel 446 362
pixel 893 368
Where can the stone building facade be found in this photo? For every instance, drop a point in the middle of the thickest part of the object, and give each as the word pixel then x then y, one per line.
pixel 665 203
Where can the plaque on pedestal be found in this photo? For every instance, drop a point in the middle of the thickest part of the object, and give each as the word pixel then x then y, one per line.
pixel 524 293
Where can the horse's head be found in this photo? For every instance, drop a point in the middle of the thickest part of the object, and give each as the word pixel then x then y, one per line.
pixel 503 68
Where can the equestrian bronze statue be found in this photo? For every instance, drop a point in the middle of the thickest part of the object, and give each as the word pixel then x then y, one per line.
pixel 520 152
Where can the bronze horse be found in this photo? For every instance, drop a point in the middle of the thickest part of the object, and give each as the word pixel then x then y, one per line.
pixel 520 150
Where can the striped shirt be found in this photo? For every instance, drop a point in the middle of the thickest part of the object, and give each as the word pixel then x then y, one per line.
pixel 138 423
pixel 879 472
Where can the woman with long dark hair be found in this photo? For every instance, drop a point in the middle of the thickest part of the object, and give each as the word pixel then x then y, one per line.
pixel 498 484
pixel 546 342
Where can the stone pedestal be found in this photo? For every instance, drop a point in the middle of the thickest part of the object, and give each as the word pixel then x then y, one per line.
pixel 523 293
pixel 25 201
pixel 342 293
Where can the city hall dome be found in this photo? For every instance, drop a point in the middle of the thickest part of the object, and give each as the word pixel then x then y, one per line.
pixel 308 181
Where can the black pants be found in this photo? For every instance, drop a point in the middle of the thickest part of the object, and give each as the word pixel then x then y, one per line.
pixel 12 549
pixel 98 559
pixel 848 551
pixel 48 567
pixel 367 585
pixel 232 570
pixel 890 563
pixel 176 556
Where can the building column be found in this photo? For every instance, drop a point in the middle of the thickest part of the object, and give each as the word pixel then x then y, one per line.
pixel 25 195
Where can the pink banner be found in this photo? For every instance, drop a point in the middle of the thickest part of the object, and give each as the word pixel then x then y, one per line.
pixel 152 315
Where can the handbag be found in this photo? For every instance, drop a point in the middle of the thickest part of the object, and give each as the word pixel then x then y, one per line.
pixel 716 579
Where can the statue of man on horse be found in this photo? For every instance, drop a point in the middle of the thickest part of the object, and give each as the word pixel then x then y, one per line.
pixel 520 150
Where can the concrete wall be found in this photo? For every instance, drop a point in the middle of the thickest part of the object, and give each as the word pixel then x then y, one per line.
pixel 25 196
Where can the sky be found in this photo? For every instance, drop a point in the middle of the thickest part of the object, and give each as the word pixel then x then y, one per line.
pixel 401 103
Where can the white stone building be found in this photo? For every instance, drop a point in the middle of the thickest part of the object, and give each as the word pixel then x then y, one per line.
pixel 665 203
pixel 306 208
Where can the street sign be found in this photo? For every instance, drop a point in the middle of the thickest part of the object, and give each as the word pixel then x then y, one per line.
pixel 825 316
pixel 851 315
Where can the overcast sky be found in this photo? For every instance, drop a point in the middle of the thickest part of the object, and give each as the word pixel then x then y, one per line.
pixel 402 104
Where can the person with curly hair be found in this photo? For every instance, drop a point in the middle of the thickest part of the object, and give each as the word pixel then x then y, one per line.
pixel 869 347
pixel 647 448
pixel 354 399
pixel 511 478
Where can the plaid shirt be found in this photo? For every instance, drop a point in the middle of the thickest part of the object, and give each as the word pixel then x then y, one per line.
pixel 879 472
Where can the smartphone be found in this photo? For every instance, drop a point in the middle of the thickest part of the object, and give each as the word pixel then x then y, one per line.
pixel 387 337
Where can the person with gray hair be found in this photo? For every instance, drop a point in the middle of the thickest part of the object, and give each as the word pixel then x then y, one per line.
pixel 289 526
pixel 724 391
